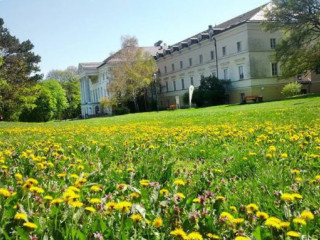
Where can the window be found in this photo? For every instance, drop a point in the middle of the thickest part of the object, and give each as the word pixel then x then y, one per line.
pixel 274 68
pixel 172 65
pixel 167 87
pixel 190 62
pixel 200 59
pixel 182 83
pixel 212 55
pixel 181 64
pixel 241 75
pixel 239 47
pixel 224 51
pixel 273 43
pixel 174 85
pixel 165 69
pixel 225 74
pixel 191 80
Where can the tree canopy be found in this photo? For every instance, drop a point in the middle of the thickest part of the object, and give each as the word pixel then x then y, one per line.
pixel 19 74
pixel 59 97
pixel 69 80
pixel 132 73
pixel 299 20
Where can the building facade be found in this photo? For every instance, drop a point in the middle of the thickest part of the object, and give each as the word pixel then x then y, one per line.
pixel 95 79
pixel 238 50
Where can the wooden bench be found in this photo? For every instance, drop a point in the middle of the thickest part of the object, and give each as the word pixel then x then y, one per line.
pixel 255 98
pixel 172 107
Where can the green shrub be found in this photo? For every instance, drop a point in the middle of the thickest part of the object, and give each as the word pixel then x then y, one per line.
pixel 121 110
pixel 211 92
pixel 291 89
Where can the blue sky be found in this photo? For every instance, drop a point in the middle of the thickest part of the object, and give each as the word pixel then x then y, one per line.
pixel 66 32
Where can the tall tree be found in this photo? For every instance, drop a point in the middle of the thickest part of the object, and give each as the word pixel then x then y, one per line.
pixel 69 80
pixel 18 72
pixel 132 72
pixel 299 20
pixel 59 97
pixel 44 110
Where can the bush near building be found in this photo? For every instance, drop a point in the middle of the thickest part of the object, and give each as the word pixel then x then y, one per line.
pixel 291 89
pixel 211 92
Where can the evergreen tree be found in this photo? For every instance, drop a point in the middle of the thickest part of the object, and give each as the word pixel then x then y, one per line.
pixel 18 72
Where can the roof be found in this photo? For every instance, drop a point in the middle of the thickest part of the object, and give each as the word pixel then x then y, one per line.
pixel 113 58
pixel 243 17
pixel 90 65
pixel 256 14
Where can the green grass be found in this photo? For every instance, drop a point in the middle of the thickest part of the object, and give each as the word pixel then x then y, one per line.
pixel 225 149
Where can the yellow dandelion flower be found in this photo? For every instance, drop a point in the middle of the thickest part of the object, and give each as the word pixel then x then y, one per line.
pixel 227 216
pixel 95 200
pixel 194 236
pixel 220 198
pixel 48 198
pixel 179 233
pixel 238 220
pixel 196 200
pixel 164 192
pixel 179 196
pixel 233 209
pixel 307 215
pixel 262 215
pixel 287 197
pixel 134 195
pixel 285 224
pixel 111 205
pixel 242 238
pixel 293 234
pixel 272 148
pixel 213 236
pixel 295 171
pixel 157 222
pixel 18 176
pixel 90 209
pixel 296 196
pixel 4 192
pixel 57 201
pixel 252 207
pixel 179 182
pixel 300 221
pixel 144 182
pixel 273 222
pixel 75 204
pixel 32 181
pixel 123 206
pixel 95 188
pixel 298 179
pixel 36 190
pixel 136 217
pixel 21 216
pixel 61 175
pixel 75 176
pixel 30 225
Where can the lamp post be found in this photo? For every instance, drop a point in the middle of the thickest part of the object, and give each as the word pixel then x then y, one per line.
pixel 155 88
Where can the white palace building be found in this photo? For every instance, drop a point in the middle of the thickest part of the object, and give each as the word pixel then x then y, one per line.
pixel 238 50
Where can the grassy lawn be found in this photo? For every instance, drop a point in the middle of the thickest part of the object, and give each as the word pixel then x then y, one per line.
pixel 227 172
